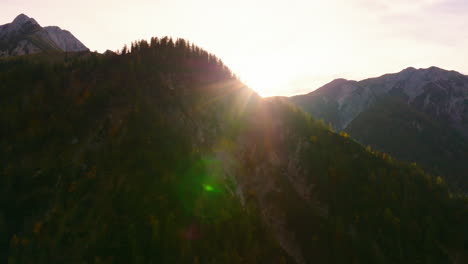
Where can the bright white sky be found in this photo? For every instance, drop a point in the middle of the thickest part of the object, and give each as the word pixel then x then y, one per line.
pixel 277 47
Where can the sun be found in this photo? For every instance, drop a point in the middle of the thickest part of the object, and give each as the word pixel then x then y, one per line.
pixel 263 85
pixel 264 77
pixel 279 74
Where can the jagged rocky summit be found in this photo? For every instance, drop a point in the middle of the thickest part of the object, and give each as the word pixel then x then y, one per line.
pixel 25 36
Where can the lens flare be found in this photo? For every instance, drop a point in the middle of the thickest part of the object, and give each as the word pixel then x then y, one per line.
pixel 208 188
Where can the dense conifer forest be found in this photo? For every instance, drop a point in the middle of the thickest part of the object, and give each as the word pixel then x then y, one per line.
pixel 159 154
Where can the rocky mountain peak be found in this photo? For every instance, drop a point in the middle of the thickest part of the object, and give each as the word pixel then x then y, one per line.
pixel 22 18
pixel 338 81
pixel 410 69
pixel 25 36
pixel 432 73
pixel 436 69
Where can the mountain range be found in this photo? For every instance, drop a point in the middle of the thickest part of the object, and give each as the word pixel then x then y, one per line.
pixel 416 115
pixel 158 153
pixel 25 36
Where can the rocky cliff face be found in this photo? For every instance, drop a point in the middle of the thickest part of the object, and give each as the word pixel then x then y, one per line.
pixel 25 36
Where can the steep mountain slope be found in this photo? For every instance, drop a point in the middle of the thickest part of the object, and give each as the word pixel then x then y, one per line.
pixel 415 115
pixel 25 36
pixel 160 155
pixel 64 39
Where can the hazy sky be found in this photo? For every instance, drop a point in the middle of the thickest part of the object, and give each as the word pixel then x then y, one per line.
pixel 276 47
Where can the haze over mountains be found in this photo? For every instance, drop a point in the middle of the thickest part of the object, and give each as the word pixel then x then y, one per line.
pixel 416 115
pixel 25 36
pixel 159 154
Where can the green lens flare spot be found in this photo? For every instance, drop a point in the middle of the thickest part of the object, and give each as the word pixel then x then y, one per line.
pixel 208 188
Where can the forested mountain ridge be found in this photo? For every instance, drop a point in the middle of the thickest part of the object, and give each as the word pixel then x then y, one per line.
pixel 25 36
pixel 417 115
pixel 159 154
